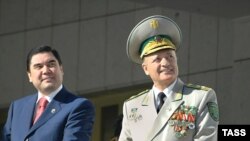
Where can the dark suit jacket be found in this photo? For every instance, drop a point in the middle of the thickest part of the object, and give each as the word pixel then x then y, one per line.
pixel 66 118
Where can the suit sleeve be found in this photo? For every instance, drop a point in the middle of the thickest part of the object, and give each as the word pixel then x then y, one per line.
pixel 207 118
pixel 80 122
pixel 7 127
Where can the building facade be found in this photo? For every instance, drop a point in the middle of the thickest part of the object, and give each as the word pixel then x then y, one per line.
pixel 91 37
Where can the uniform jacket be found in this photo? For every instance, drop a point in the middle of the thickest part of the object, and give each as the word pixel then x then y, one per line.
pixel 66 118
pixel 189 114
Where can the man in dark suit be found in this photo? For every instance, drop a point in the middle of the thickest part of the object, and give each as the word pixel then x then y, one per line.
pixel 53 113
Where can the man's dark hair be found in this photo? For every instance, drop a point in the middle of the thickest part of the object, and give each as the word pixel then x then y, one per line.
pixel 41 49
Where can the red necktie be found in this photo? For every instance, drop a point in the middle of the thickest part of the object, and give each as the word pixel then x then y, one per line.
pixel 42 103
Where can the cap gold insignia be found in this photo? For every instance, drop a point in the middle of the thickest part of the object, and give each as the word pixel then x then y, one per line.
pixel 178 96
pixel 154 24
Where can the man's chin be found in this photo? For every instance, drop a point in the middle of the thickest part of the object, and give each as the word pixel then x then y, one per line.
pixel 169 78
pixel 168 75
pixel 49 88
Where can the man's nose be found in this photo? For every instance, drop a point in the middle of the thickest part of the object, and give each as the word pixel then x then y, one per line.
pixel 165 61
pixel 46 69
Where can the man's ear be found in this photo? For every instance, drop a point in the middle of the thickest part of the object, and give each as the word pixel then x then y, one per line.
pixel 61 68
pixel 29 76
pixel 145 68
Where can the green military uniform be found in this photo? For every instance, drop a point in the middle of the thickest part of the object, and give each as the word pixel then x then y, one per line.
pixel 190 113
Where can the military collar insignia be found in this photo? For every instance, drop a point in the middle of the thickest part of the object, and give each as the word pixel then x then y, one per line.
pixel 178 96
pixel 183 119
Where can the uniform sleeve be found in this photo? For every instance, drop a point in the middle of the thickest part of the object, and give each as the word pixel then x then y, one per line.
pixel 125 134
pixel 208 118
pixel 80 122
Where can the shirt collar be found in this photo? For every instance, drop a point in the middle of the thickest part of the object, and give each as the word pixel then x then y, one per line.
pixel 167 91
pixel 51 95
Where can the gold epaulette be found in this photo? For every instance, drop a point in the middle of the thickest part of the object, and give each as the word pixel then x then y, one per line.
pixel 141 93
pixel 199 87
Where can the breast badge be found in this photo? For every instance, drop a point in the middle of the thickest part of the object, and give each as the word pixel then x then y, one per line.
pixel 134 115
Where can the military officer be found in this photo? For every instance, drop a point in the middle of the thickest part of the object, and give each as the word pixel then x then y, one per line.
pixel 171 110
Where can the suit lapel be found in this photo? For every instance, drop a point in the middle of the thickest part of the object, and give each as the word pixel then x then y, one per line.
pixel 169 107
pixel 53 108
pixel 27 115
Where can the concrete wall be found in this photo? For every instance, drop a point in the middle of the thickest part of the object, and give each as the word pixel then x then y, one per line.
pixel 239 96
pixel 91 37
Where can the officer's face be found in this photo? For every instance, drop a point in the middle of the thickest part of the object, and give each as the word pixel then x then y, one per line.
pixel 162 67
pixel 45 72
